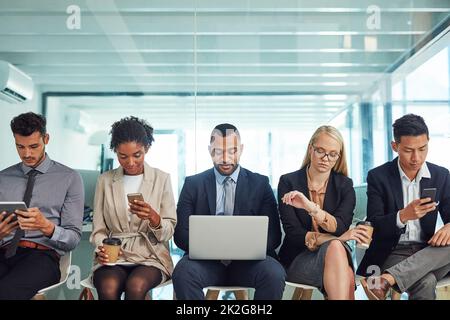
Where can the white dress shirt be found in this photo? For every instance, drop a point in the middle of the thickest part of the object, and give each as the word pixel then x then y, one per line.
pixel 411 192
pixel 131 184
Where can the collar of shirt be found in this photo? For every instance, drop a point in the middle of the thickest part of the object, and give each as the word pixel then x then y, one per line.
pixel 424 172
pixel 42 167
pixel 220 178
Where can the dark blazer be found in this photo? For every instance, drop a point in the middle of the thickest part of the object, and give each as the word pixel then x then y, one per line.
pixel 385 199
pixel 254 196
pixel 339 201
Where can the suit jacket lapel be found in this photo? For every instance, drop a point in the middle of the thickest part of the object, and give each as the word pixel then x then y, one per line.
pixel 303 188
pixel 303 183
pixel 241 194
pixel 210 191
pixel 396 183
pixel 330 194
pixel 119 200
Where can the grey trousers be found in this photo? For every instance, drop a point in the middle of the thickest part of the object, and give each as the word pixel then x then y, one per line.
pixel 417 269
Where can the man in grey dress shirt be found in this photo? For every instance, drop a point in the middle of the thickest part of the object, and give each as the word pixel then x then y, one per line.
pixel 52 223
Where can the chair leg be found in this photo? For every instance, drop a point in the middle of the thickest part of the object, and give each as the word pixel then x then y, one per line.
pixel 297 294
pixel 302 294
pixel 212 294
pixel 241 294
pixel 307 294
pixel 86 294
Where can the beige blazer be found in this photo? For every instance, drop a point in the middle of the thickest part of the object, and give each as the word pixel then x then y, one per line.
pixel 141 244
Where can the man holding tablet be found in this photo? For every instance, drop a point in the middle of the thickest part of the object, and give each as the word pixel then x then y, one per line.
pixel 30 248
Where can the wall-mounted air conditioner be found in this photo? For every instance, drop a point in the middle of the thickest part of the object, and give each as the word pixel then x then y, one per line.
pixel 15 86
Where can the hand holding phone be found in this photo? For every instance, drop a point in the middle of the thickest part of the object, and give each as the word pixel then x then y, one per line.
pixel 429 193
pixel 135 196
pixel 143 211
pixel 416 209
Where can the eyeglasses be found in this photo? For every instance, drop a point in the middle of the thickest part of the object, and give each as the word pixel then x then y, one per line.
pixel 332 156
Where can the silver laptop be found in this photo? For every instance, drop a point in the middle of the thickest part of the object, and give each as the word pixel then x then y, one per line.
pixel 228 237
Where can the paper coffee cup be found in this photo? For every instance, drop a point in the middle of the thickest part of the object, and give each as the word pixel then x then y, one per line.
pixel 112 249
pixel 369 228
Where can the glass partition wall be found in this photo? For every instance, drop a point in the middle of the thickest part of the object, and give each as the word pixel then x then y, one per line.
pixel 277 70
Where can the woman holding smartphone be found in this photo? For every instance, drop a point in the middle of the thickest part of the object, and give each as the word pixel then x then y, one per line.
pixel 144 221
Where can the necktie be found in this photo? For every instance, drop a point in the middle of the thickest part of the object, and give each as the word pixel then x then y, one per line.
pixel 228 199
pixel 11 250
pixel 228 203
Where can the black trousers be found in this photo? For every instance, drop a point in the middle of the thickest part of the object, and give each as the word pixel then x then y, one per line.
pixel 29 271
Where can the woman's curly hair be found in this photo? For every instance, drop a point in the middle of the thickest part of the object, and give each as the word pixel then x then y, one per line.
pixel 131 129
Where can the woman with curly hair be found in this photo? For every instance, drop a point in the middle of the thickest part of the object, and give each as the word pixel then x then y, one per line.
pixel 144 227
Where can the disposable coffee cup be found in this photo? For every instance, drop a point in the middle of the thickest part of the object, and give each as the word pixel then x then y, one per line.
pixel 369 228
pixel 112 249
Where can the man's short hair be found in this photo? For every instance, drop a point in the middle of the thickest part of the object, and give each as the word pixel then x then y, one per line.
pixel 223 130
pixel 26 124
pixel 409 125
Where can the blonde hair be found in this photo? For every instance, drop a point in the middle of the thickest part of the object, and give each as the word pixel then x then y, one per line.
pixel 341 164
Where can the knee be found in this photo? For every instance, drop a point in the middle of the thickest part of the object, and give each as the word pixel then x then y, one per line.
pixel 136 288
pixel 107 288
pixel 274 271
pixel 336 250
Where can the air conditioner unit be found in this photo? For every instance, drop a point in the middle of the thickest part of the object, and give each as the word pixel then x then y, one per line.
pixel 15 86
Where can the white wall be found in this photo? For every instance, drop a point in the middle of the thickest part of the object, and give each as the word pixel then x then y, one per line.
pixel 7 112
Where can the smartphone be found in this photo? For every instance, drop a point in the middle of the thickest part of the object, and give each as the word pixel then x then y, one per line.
pixel 429 193
pixel 135 196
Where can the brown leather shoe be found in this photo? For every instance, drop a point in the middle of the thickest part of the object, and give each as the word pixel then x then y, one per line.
pixel 375 293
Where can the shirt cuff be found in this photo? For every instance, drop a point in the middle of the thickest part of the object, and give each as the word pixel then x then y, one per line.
pixel 57 233
pixel 329 223
pixel 400 224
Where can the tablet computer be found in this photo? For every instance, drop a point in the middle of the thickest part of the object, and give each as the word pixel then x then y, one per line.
pixel 11 206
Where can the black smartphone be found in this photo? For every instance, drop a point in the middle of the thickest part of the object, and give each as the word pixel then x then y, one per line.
pixel 135 196
pixel 429 193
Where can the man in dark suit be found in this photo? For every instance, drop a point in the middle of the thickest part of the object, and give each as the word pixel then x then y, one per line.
pixel 406 250
pixel 227 189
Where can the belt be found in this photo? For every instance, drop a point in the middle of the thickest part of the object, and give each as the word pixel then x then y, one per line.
pixel 32 245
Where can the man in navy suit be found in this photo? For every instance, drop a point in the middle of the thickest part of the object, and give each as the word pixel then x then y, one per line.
pixel 227 189
pixel 408 252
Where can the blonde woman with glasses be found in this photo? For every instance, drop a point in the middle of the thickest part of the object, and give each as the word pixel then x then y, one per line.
pixel 316 206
